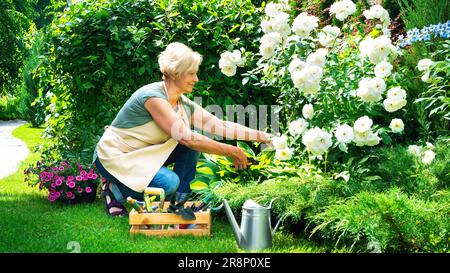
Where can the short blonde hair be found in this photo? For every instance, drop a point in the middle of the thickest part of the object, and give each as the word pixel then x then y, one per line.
pixel 177 59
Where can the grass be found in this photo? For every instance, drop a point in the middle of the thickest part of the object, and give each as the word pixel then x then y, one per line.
pixel 30 223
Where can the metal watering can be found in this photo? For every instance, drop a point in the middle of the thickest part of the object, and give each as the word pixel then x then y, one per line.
pixel 256 230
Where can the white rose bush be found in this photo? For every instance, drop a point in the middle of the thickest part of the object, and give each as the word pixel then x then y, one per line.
pixel 349 162
pixel 338 84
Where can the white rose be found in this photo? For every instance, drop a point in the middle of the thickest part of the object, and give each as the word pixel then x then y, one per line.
pixel 236 57
pixel 424 64
pixel 280 142
pixel 303 24
pixel 311 88
pixel 380 49
pixel 396 93
pixel 415 150
pixel 383 69
pixel 267 50
pixel 272 38
pixel 296 65
pixel 283 154
pixel 308 111
pixel 429 145
pixel 392 105
pixel 328 35
pixel 428 157
pixel 299 78
pixel 317 141
pixel 344 133
pixel 372 139
pixel 266 26
pixel 397 125
pixel 363 124
pixel 292 38
pixel 342 9
pixel 313 72
pixel 317 58
pixel 370 90
pixel 360 138
pixel 366 46
pixel 377 12
pixel 297 127
pixel 229 70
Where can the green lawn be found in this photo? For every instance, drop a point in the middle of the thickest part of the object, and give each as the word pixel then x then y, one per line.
pixel 30 223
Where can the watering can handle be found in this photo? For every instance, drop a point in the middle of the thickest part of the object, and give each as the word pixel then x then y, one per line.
pixel 276 226
pixel 271 201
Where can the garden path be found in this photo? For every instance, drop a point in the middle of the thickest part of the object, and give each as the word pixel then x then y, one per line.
pixel 12 150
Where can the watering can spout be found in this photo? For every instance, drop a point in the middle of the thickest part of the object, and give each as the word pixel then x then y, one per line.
pixel 236 230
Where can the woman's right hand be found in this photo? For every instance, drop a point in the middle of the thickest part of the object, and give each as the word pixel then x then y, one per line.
pixel 239 157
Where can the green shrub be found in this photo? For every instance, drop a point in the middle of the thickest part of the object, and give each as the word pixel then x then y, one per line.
pixel 29 87
pixel 14 24
pixel 386 222
pixel 8 107
pixel 421 13
pixel 100 52
pixel 296 195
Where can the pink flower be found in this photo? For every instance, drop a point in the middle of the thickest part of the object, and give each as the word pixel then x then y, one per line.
pixel 47 179
pixel 88 189
pixel 61 168
pixel 51 198
pixel 57 194
pixel 94 176
pixel 103 180
pixel 79 189
pixel 83 173
pixel 58 182
pixel 64 163
pixel 79 178
pixel 51 191
pixel 55 169
pixel 53 185
pixel 71 184
pixel 69 194
pixel 70 177
pixel 89 175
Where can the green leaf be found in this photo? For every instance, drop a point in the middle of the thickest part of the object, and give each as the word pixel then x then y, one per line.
pixel 343 147
pixel 205 170
pixel 198 185
pixel 246 148
pixel 109 58
pixel 141 70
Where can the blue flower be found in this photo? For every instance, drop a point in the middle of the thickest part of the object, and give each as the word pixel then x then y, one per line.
pixel 441 30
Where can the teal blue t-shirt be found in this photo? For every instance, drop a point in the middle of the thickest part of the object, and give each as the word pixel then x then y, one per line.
pixel 133 113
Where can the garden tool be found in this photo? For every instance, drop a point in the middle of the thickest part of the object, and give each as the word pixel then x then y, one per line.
pixel 156 191
pixel 148 202
pixel 256 230
pixel 252 161
pixel 135 204
pixel 178 208
pixel 204 203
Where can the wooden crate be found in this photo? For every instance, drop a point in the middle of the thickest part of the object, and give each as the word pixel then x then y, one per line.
pixel 141 223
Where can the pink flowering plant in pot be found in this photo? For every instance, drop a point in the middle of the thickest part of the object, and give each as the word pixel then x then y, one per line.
pixel 65 182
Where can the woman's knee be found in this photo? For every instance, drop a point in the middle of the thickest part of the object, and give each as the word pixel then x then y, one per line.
pixel 168 180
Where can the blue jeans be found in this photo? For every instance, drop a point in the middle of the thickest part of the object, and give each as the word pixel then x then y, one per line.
pixel 178 180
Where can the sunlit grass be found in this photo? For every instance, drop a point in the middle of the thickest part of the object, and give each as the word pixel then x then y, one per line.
pixel 30 223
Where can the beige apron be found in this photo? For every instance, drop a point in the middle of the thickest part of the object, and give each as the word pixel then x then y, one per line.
pixel 134 155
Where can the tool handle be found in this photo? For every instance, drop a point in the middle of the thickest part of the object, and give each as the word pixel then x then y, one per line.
pixel 154 191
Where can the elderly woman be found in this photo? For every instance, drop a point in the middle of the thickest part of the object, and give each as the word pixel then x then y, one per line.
pixel 153 130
